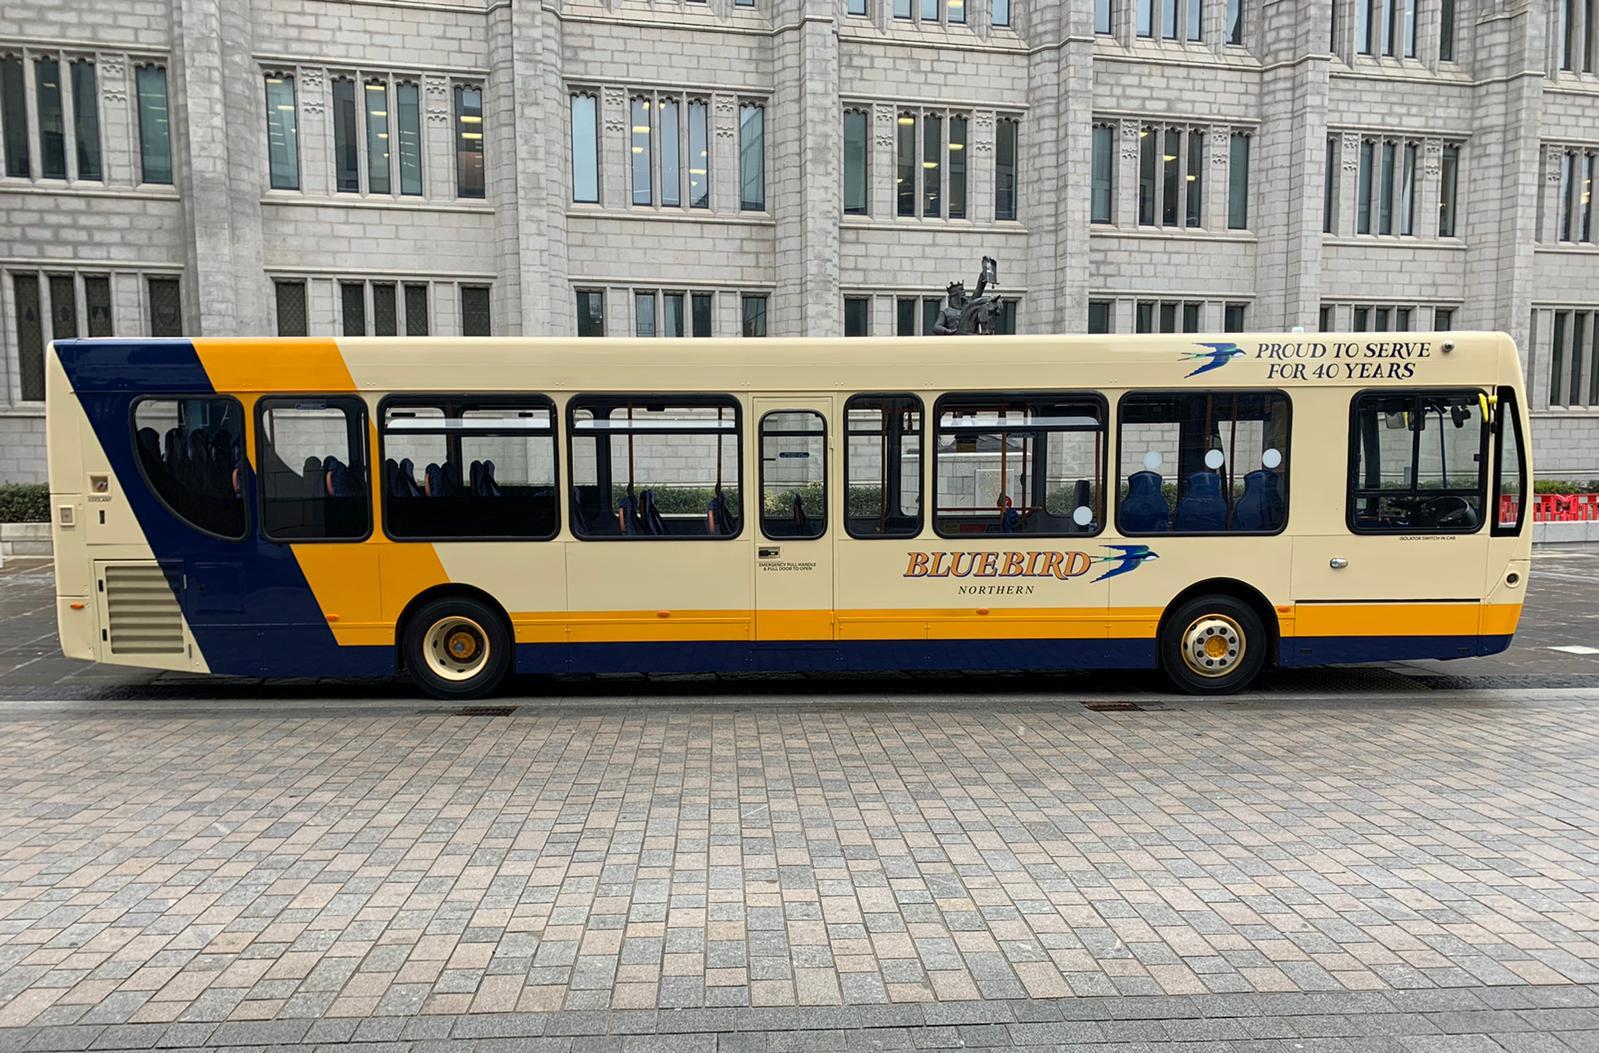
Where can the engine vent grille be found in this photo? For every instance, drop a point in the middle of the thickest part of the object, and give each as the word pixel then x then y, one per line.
pixel 142 614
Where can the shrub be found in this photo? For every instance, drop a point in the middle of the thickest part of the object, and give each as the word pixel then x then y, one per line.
pixel 24 503
pixel 1564 486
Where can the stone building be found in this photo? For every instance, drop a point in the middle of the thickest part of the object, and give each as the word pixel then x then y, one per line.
pixel 800 166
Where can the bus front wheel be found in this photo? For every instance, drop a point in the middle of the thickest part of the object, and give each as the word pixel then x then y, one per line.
pixel 1212 645
pixel 457 648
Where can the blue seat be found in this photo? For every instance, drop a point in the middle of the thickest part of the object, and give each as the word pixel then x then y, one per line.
pixel 339 484
pixel 649 515
pixel 486 484
pixel 720 516
pixel 1143 510
pixel 627 519
pixel 1202 508
pixel 1261 506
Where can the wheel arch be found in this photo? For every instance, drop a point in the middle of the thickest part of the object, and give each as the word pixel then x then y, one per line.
pixel 450 590
pixel 1240 591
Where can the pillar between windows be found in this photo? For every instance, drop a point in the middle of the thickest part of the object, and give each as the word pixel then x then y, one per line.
pixel 315 132
pixel 614 188
pixel 880 167
pixel 724 155
pixel 119 166
pixel 1126 205
pixel 438 146
pixel 1218 173
pixel 1347 208
pixel 1429 20
pixel 980 167
pixel 1553 164
pixel 1429 190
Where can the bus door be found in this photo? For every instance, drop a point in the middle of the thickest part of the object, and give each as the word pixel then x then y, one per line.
pixel 794 537
pixel 1408 560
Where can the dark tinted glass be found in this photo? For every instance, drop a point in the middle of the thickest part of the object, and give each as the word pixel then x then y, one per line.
pixel 191 453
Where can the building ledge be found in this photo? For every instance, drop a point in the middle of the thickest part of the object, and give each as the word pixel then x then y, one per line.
pixel 143 192
pixel 1393 241
pixel 1241 237
pixel 290 199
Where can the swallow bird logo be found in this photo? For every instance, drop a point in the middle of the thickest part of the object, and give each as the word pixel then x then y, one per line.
pixel 1218 355
pixel 1128 558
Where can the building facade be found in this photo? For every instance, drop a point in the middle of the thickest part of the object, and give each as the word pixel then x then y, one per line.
pixel 821 167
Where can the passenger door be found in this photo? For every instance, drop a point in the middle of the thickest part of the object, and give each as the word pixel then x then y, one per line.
pixel 1403 578
pixel 794 534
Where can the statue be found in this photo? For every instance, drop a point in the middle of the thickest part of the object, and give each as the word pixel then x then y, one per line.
pixel 975 315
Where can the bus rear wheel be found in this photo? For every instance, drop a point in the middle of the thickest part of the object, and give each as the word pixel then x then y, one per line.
pixel 1212 645
pixel 457 648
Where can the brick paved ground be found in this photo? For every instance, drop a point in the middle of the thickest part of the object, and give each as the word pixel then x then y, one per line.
pixel 1371 860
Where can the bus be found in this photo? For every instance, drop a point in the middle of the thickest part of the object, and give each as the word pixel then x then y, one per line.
pixel 457 510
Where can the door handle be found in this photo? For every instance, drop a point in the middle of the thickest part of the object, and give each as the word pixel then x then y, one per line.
pixel 768 552
pixel 1338 563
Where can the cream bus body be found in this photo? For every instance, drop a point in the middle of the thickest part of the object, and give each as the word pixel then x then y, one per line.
pixel 142 582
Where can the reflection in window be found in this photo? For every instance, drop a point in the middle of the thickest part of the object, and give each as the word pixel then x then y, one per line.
pixel 905 166
pixel 590 312
pixel 932 149
pixel 1510 457
pixel 1018 466
pixel 752 157
pixel 585 149
pixel 409 113
pixel 376 96
pixel 1005 160
pixel 346 154
pixel 283 139
pixel 793 475
pixel 1448 188
pixel 1203 463
pixel 640 151
pixel 1103 200
pixel 314 481
pixel 469 468
pixel 191 453
pixel 644 314
pixel 671 159
pixel 1419 463
pixel 857 151
pixel 1238 183
pixel 155 128
pixel 468 141
pixel 649 469
pixel 86 119
pixel 957 167
pixel 14 116
pixel 672 314
pixel 699 157
pixel 52 121
pixel 883 466
pixel 752 307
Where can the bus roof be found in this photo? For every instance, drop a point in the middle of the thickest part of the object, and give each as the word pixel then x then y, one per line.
pixel 559 364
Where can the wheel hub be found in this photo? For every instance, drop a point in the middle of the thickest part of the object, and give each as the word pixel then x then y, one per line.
pixel 456 647
pixel 1213 645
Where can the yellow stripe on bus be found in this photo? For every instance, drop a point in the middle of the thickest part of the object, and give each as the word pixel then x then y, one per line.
pixel 337 574
pixel 307 364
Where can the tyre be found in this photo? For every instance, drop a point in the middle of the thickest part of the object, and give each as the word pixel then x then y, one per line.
pixel 1213 645
pixel 457 648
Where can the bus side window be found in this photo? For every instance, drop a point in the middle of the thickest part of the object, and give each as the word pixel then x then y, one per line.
pixel 1203 463
pixel 313 469
pixel 191 453
pixel 644 467
pixel 883 466
pixel 1018 465
pixel 469 467
pixel 1510 487
pixel 1418 462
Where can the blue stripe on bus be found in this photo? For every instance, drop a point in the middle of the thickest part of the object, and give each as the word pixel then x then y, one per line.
pixel 1348 650
pixel 260 616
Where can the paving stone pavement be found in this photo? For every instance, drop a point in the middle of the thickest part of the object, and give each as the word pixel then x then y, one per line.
pixel 701 866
